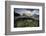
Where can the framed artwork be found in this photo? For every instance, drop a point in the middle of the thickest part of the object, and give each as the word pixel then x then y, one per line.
pixel 24 17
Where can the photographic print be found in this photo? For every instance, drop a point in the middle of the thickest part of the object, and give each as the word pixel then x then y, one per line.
pixel 25 17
